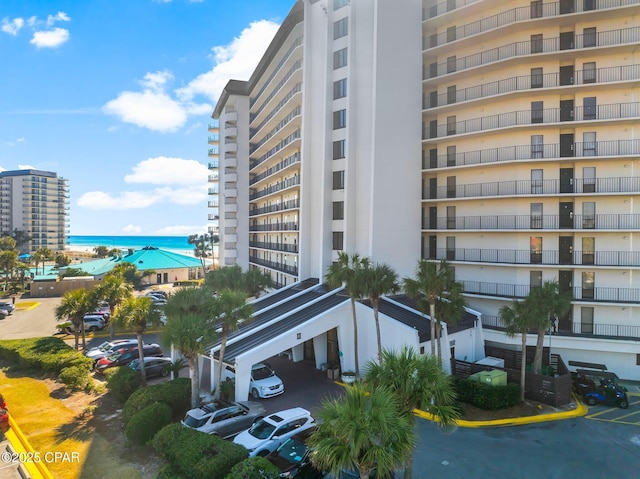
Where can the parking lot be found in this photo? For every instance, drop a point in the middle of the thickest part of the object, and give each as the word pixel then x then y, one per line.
pixel 617 415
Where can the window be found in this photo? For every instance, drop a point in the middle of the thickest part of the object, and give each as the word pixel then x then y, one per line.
pixel 340 3
pixel 339 149
pixel 451 217
pixel 535 247
pixel 340 59
pixel 451 64
pixel 339 119
pixel 338 180
pixel 338 210
pixel 589 143
pixel 451 125
pixel 536 215
pixel 535 279
pixel 588 250
pixel 536 78
pixel 536 9
pixel 586 320
pixel 451 95
pixel 451 248
pixel 451 186
pixel 536 181
pixel 536 43
pixel 589 179
pixel 337 240
pixel 589 37
pixel 589 72
pixel 589 215
pixel 340 28
pixel 537 146
pixel 588 284
pixel 451 34
pixel 589 5
pixel 340 89
pixel 451 155
pixel 589 107
pixel 537 112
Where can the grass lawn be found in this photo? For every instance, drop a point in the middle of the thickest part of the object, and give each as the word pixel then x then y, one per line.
pixel 55 422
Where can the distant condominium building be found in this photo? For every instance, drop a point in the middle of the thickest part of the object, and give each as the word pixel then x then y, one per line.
pixel 502 136
pixel 35 202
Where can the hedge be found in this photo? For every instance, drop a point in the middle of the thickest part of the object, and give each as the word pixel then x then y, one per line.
pixel 176 394
pixel 197 455
pixel 74 377
pixel 485 396
pixel 254 468
pixel 146 423
pixel 122 382
pixel 50 355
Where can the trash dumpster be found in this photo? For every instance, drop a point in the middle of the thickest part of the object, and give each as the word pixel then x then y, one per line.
pixel 495 377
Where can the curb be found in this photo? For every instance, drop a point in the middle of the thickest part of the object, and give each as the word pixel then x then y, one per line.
pixel 37 469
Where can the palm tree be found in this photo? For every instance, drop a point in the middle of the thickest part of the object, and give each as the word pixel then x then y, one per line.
pixel 362 429
pixel 430 282
pixel 202 248
pixel 135 313
pixel 75 304
pixel 377 280
pixel 517 320
pixel 256 281
pixel 547 302
pixel 8 261
pixel 228 277
pixel 419 382
pixel 114 289
pixel 232 310
pixel 43 255
pixel 130 273
pixel 449 308
pixel 189 328
pixel 344 272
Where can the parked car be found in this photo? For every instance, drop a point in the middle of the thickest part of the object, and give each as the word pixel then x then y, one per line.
pixel 104 308
pixel 224 418
pixel 268 433
pixel 159 293
pixel 109 347
pixel 122 359
pixel 94 322
pixel 264 382
pixel 152 366
pixel 293 457
pixel 7 307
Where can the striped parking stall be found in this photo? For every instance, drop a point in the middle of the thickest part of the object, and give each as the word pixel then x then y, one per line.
pixel 615 414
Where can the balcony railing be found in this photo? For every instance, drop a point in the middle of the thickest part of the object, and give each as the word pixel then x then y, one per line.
pixel 546 257
pixel 533 81
pixel 529 152
pixel 289 226
pixel 444 7
pixel 609 331
pixel 614 111
pixel 281 124
pixel 214 125
pixel 283 144
pixel 548 45
pixel 276 109
pixel 297 66
pixel 284 247
pixel 285 268
pixel 283 206
pixel 214 151
pixel 295 158
pixel 623 222
pixel 214 164
pixel 516 15
pixel 281 185
pixel 296 43
pixel 504 290
pixel 623 184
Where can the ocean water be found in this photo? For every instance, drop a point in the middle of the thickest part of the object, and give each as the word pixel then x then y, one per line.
pixel 177 244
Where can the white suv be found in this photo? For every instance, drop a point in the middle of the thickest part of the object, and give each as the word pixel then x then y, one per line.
pixel 264 382
pixel 268 433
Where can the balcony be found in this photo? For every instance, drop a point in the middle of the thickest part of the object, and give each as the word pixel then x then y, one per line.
pixel 296 89
pixel 444 7
pixel 214 151
pixel 214 164
pixel 214 190
pixel 610 148
pixel 533 82
pixel 615 222
pixel 213 203
pixel 230 118
pixel 283 206
pixel 289 226
pixel 295 68
pixel 213 139
pixel 213 217
pixel 508 17
pixel 281 185
pixel 285 268
pixel 614 111
pixel 214 177
pixel 536 187
pixel 295 158
pixel 529 48
pixel 231 147
pixel 230 133
pixel 295 113
pixel 546 257
pixel 273 151
pixel 214 126
pixel 283 247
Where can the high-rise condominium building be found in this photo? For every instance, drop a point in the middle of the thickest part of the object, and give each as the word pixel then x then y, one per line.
pixel 501 136
pixel 36 203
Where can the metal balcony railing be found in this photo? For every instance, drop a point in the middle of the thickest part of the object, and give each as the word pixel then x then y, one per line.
pixel 214 151
pixel 284 247
pixel 281 124
pixel 289 226
pixel 281 185
pixel 548 45
pixel 214 125
pixel 519 14
pixel 534 81
pixel 444 7
pixel 623 222
pixel 214 164
pixel 297 66
pixel 622 184
pixel 283 144
pixel 283 206
pixel 614 111
pixel 545 257
pixel 285 268
pixel 276 109
pixel 295 158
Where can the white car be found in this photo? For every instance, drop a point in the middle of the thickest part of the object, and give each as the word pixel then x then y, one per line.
pixel 268 433
pixel 264 382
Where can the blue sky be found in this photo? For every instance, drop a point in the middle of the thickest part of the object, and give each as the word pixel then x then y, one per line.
pixel 116 95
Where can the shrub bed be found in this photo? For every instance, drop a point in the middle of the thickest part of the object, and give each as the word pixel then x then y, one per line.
pixel 176 394
pixel 74 377
pixel 487 397
pixel 50 355
pixel 146 423
pixel 122 382
pixel 254 468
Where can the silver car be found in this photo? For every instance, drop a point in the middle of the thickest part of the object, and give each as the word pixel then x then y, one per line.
pixel 224 418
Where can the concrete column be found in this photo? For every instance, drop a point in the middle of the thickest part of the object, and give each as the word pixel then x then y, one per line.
pixel 243 377
pixel 320 349
pixel 297 352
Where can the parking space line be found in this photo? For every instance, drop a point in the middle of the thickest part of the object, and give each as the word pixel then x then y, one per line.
pixel 613 420
pixel 601 413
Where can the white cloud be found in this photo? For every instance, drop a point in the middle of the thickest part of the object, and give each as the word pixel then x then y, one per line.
pixel 58 17
pixel 184 196
pixel 98 200
pixel 131 229
pixel 181 230
pixel 32 21
pixel 164 170
pixel 236 60
pixel 12 27
pixel 27 167
pixel 50 38
pixel 149 109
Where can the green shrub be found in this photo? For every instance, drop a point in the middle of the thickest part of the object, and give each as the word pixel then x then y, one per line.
pixel 146 423
pixel 74 377
pixel 176 394
pixel 485 396
pixel 122 382
pixel 219 461
pixel 49 354
pixel 167 471
pixel 254 468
